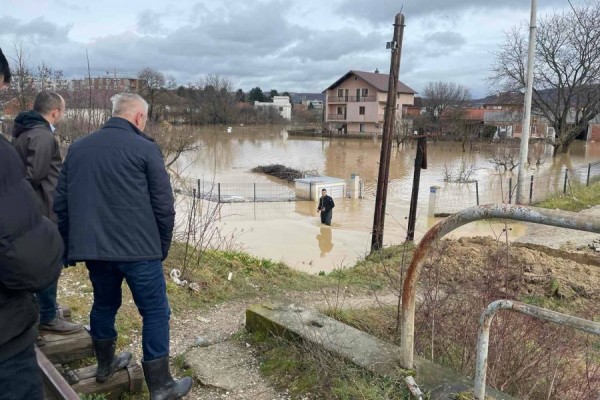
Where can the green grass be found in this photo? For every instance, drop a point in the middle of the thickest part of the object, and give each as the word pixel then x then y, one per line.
pixel 306 370
pixel 579 198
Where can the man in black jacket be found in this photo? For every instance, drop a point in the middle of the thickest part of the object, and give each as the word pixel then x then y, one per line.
pixel 34 140
pixel 30 260
pixel 326 205
pixel 116 212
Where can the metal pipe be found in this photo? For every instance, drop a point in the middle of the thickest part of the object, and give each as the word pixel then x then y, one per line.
pixel 54 381
pixel 588 175
pixel 477 191
pixel 531 190
pixel 485 323
pixel 566 179
pixel 563 219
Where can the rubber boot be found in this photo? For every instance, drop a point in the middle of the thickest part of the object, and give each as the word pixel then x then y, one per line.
pixel 105 355
pixel 161 384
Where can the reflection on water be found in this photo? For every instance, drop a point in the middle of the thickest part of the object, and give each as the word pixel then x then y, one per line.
pixel 287 230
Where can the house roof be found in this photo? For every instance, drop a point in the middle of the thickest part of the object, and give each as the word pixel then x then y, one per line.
pixel 380 81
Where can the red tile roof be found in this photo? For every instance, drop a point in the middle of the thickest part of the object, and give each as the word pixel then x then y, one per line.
pixel 380 81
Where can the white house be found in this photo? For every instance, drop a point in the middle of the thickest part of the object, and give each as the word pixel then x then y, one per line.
pixel 282 103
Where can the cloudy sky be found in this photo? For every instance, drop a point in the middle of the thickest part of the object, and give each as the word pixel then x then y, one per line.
pixel 293 45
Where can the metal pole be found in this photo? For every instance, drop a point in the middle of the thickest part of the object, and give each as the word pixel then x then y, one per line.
pixel 255 192
pixel 588 176
pixel 477 191
pixel 531 190
pixel 510 190
pixel 485 323
pixel 524 150
pixel 218 192
pixel 388 127
pixel 562 219
pixel 412 215
pixel 198 186
pixel 566 178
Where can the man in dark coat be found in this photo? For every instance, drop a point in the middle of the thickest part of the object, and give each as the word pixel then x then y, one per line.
pixel 34 140
pixel 326 205
pixel 30 260
pixel 116 212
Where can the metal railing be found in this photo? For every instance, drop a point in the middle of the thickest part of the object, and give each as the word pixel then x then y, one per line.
pixel 562 219
pixel 351 99
pixel 336 117
pixel 485 323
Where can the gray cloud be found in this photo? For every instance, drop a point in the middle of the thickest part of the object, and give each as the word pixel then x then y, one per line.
pixel 446 39
pixel 385 10
pixel 149 22
pixel 38 28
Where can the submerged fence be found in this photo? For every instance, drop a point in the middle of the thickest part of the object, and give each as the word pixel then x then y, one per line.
pixel 453 197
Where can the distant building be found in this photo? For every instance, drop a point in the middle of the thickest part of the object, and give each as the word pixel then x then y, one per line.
pixel 281 103
pixel 114 84
pixel 300 98
pixel 316 104
pixel 355 103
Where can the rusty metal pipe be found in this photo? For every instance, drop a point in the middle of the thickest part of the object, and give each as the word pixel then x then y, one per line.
pixel 485 323
pixel 563 219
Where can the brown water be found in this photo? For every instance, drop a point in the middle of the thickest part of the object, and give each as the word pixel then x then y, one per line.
pixel 291 231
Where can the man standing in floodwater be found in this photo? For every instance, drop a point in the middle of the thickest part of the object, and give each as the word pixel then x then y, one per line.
pixel 326 205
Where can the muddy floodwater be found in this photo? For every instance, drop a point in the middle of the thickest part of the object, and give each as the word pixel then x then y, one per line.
pixel 291 230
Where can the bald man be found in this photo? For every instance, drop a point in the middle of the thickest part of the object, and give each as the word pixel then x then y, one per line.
pixel 116 213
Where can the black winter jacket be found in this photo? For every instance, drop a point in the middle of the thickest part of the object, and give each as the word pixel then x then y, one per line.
pixel 114 200
pixel 326 203
pixel 30 254
pixel 39 151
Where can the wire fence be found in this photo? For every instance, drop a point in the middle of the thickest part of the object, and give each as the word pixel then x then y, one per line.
pixel 220 192
pixel 453 197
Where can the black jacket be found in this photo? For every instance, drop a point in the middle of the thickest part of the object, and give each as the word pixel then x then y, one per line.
pixel 326 203
pixel 30 254
pixel 39 151
pixel 114 200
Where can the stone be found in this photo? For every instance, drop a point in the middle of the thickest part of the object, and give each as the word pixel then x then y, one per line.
pixel 201 342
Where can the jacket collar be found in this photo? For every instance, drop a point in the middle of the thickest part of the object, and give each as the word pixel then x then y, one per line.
pixel 122 123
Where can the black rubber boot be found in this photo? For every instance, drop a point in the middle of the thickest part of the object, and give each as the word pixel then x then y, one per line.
pixel 161 384
pixel 105 355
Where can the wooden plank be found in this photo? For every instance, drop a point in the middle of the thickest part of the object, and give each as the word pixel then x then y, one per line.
pixel 123 381
pixel 63 349
pixel 54 382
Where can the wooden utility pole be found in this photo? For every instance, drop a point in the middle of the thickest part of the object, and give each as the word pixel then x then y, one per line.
pixel 420 162
pixel 388 127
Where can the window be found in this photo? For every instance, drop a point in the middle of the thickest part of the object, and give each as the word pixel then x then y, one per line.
pixel 340 110
pixel 365 92
pixel 280 109
pixel 361 127
pixel 357 94
pixel 340 93
pixel 361 110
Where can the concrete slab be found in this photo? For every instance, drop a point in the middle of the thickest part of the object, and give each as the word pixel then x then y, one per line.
pixel 380 357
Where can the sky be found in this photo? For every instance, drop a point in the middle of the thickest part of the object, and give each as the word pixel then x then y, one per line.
pixel 287 45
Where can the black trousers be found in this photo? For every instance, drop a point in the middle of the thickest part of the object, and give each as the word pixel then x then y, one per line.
pixel 326 217
pixel 20 377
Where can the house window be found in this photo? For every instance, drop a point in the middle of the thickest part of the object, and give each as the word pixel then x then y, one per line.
pixel 357 94
pixel 340 93
pixel 280 109
pixel 340 110
pixel 361 110
pixel 365 92
pixel 361 127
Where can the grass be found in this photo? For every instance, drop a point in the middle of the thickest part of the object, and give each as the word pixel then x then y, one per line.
pixel 580 198
pixel 307 371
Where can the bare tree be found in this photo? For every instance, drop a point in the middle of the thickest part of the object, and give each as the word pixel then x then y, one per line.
pixel 218 101
pixel 441 96
pixel 22 85
pixel 566 82
pixel 152 83
pixel 174 140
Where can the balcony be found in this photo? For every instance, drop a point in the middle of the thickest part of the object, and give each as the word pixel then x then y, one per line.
pixel 351 99
pixel 336 117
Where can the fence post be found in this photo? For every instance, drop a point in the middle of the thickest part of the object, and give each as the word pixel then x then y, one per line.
pixel 477 191
pixel 588 177
pixel 218 192
pixel 198 186
pixel 432 200
pixel 566 178
pixel 310 190
pixel 510 190
pixel 255 192
pixel 531 190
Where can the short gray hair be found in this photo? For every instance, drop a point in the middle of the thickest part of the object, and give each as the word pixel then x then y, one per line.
pixel 123 102
pixel 46 102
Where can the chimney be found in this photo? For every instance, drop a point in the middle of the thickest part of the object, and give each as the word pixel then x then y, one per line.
pixel 376 71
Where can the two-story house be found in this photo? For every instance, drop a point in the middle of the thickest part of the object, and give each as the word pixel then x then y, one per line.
pixel 355 103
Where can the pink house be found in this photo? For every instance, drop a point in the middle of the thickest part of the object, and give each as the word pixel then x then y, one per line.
pixel 355 103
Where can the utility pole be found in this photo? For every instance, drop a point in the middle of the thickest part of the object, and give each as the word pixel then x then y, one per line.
pixel 388 127
pixel 420 162
pixel 524 150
